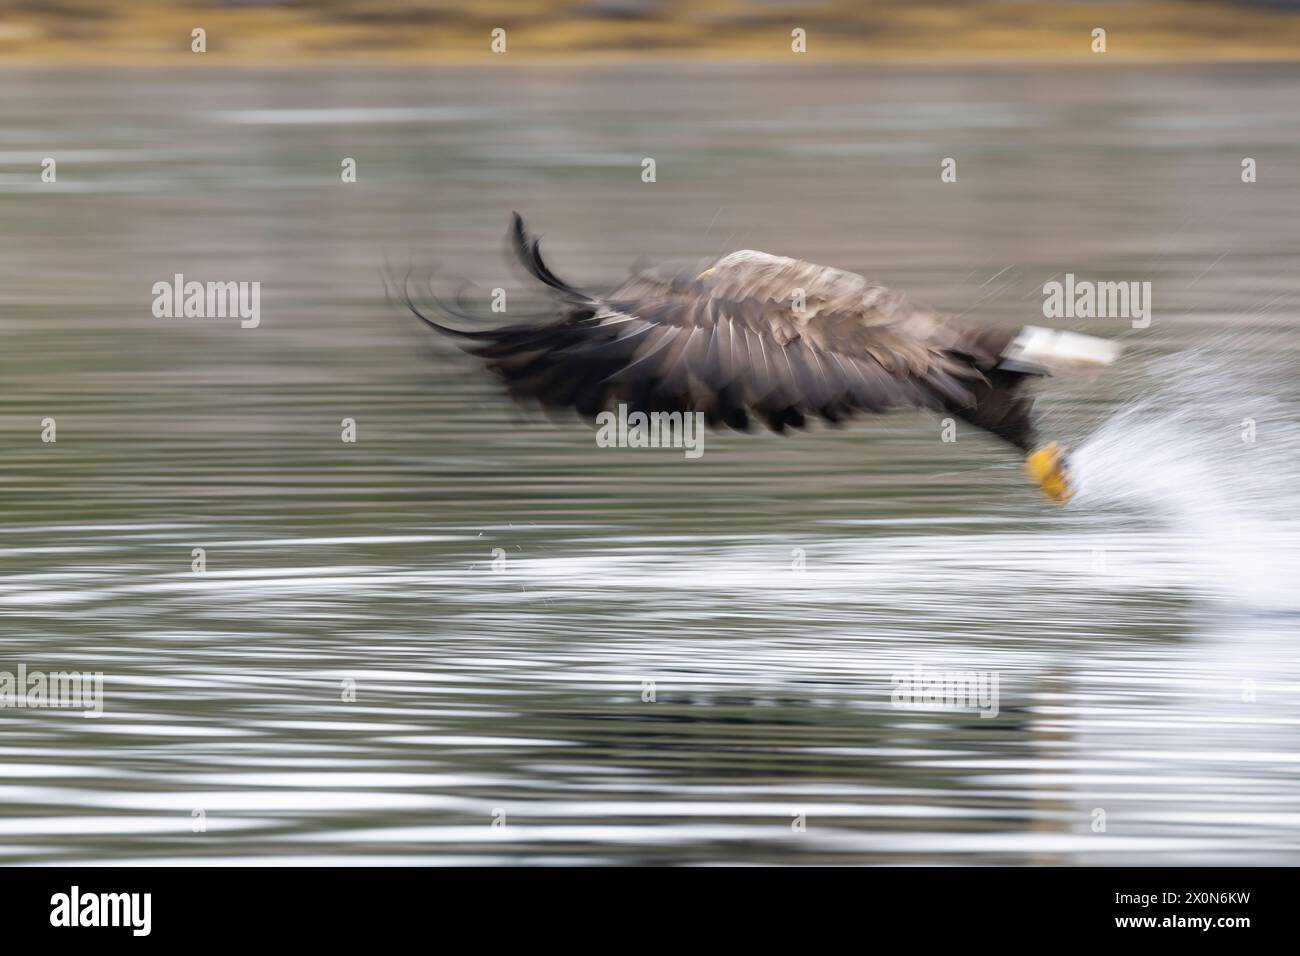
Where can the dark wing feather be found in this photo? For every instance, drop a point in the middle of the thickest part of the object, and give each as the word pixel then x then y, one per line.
pixel 731 345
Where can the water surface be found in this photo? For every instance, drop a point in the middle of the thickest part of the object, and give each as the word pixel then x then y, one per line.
pixel 458 618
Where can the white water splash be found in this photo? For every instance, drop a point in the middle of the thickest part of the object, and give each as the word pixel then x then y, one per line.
pixel 1214 456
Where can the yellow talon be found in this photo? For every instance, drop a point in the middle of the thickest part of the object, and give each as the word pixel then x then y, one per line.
pixel 1045 467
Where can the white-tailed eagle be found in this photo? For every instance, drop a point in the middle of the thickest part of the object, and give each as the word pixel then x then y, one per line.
pixel 777 340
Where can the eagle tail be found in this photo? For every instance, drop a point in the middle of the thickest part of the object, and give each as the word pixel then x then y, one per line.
pixel 1038 351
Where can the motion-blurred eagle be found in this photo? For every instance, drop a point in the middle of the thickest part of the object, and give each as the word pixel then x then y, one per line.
pixel 780 340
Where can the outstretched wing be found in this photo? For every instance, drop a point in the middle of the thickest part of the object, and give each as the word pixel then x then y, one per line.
pixel 756 335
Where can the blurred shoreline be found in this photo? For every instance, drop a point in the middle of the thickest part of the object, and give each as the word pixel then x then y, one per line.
pixel 372 32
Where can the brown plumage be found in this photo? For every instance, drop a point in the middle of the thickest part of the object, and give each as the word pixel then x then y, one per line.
pixel 731 343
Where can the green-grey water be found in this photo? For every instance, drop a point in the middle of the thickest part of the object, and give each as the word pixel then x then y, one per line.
pixel 473 615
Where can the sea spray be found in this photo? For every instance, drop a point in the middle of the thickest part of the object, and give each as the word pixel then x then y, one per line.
pixel 1212 453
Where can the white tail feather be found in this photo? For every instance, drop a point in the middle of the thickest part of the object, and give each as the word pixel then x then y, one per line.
pixel 1050 348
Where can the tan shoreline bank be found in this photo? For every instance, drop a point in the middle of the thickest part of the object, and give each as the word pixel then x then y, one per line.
pixel 156 32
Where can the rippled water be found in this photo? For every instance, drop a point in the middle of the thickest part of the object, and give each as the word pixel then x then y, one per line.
pixel 459 618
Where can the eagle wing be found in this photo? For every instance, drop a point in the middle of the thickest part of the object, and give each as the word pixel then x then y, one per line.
pixel 755 336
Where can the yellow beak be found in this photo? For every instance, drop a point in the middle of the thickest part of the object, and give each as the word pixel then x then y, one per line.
pixel 1046 469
